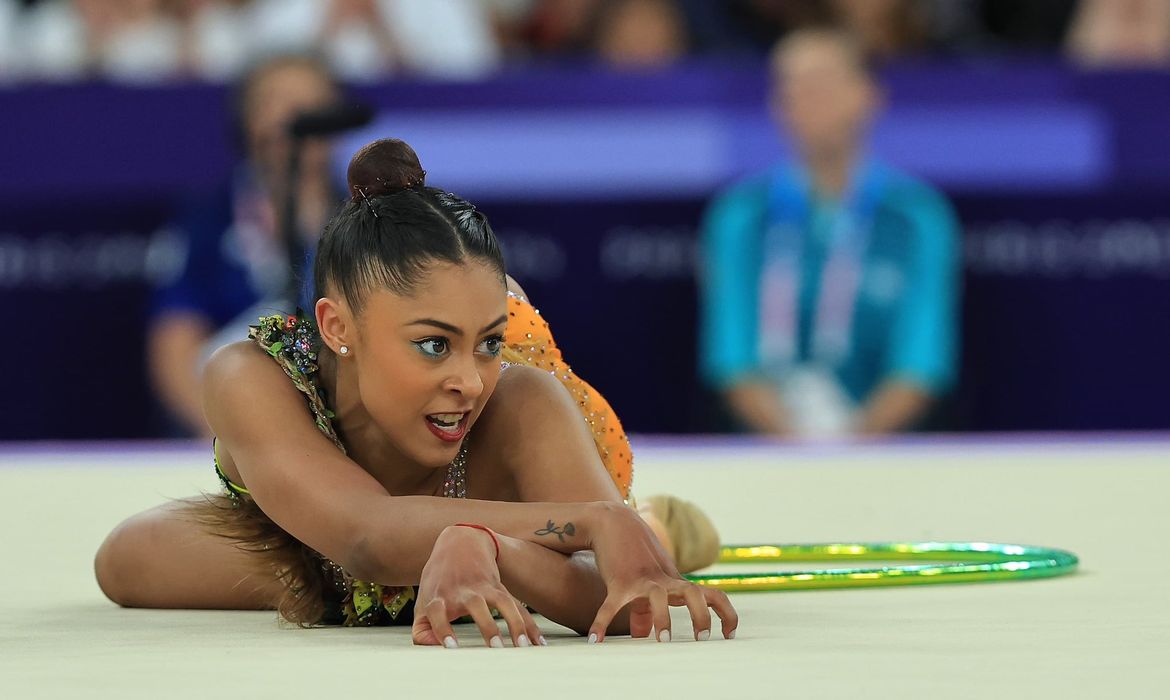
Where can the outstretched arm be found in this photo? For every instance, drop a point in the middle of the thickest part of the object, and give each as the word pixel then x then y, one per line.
pixel 559 462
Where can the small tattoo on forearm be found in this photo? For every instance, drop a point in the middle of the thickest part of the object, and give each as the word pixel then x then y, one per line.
pixel 560 532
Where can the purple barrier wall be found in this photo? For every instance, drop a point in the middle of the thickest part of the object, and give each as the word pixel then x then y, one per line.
pixel 595 182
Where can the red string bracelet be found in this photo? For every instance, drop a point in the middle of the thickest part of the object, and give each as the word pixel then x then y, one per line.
pixel 495 540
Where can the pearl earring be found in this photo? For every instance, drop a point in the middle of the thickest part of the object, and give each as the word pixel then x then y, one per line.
pixel 344 349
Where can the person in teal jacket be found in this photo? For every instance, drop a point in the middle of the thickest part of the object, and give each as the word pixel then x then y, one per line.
pixel 829 286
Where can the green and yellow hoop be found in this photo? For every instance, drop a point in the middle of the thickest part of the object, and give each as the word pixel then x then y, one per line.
pixel 951 562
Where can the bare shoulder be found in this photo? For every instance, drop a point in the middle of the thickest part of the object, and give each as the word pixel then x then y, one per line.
pixel 522 394
pixel 236 368
pixel 234 376
pixel 237 360
pixel 241 375
pixel 522 389
pixel 536 434
pixel 244 366
pixel 244 389
pixel 518 391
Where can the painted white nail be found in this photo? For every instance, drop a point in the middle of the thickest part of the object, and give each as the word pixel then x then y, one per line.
pixel 732 635
pixel 496 643
pixel 450 643
pixel 704 635
pixel 592 637
pixel 524 641
pixel 543 641
pixel 664 635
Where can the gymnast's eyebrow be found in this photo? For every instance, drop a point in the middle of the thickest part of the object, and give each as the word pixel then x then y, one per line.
pixel 453 329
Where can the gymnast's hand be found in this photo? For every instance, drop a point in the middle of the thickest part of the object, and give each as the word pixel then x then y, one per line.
pixel 639 573
pixel 462 578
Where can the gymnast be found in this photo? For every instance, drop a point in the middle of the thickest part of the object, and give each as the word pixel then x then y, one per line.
pixel 416 454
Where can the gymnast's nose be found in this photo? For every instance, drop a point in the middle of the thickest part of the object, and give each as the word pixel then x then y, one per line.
pixel 464 378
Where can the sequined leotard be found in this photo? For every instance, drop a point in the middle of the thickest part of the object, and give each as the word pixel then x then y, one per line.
pixel 529 341
pixel 292 343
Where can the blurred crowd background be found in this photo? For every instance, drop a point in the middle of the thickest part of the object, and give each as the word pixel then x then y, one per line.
pixel 613 144
pixel 150 41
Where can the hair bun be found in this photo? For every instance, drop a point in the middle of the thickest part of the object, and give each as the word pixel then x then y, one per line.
pixel 383 167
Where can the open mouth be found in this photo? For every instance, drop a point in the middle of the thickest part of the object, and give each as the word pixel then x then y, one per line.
pixel 449 427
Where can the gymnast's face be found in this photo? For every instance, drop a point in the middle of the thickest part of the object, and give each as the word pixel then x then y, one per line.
pixel 427 363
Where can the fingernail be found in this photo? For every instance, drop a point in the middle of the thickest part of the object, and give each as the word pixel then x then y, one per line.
pixel 543 641
pixel 704 635
pixel 664 636
pixel 450 643
pixel 496 643
pixel 524 641
pixel 732 635
pixel 592 637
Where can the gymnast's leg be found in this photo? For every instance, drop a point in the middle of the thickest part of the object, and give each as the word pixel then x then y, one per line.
pixel 162 558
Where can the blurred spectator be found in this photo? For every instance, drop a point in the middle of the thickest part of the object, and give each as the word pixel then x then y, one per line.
pixel 560 26
pixel 366 39
pixel 509 19
pixel 829 286
pixel 443 38
pixel 152 40
pixel 624 33
pixel 130 40
pixel 1123 33
pixel 640 33
pixel 236 266
pixel 217 45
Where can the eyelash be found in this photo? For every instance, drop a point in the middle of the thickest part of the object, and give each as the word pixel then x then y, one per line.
pixel 498 340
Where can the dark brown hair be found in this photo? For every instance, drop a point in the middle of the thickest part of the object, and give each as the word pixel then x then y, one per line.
pixel 394 227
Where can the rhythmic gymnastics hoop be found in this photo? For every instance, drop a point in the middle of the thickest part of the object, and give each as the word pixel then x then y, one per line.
pixel 953 562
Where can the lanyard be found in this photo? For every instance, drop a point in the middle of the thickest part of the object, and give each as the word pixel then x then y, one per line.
pixel 789 217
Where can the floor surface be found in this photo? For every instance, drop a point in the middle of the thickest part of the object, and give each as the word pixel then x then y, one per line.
pixel 1104 631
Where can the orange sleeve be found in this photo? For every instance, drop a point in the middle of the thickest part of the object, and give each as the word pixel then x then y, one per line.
pixel 529 341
